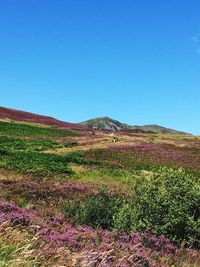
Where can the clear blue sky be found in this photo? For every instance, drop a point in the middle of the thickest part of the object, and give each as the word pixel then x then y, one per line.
pixel 137 61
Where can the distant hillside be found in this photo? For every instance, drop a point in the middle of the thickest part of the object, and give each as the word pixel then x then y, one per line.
pixel 157 129
pixel 106 123
pixel 22 116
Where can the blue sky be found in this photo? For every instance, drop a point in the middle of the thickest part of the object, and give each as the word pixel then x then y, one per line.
pixel 136 61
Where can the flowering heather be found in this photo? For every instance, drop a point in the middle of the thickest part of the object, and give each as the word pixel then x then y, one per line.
pixel 23 116
pixel 41 189
pixel 102 246
pixel 60 243
pixel 93 246
pixel 160 243
pixel 163 153
pixel 17 216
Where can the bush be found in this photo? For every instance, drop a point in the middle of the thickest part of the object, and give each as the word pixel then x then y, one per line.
pixel 168 202
pixel 124 218
pixel 97 211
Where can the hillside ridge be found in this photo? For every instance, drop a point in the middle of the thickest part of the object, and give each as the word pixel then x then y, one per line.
pixel 106 123
pixel 100 123
pixel 24 116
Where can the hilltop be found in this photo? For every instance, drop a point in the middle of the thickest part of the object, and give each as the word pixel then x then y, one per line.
pixel 106 123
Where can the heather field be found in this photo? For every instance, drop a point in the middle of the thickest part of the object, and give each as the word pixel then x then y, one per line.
pixel 75 198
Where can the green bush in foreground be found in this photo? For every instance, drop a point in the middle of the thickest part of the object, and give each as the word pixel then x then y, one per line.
pixel 97 211
pixel 168 202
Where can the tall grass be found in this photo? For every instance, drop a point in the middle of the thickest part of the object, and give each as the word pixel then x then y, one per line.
pixel 16 248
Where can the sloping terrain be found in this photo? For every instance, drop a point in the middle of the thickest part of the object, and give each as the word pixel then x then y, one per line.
pixel 17 115
pixel 83 200
pixel 106 123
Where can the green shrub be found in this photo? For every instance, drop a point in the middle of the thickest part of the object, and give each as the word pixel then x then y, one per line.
pixel 73 210
pixel 124 218
pixel 97 211
pixel 168 201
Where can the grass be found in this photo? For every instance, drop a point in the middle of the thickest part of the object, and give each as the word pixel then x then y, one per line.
pixel 27 123
pixel 13 144
pixel 118 179
pixel 121 159
pixel 131 158
pixel 7 128
pixel 16 248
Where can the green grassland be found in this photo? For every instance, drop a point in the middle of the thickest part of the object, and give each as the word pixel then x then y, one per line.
pixel 18 144
pixel 15 129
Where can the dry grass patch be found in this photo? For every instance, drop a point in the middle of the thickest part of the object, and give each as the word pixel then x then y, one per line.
pixel 16 247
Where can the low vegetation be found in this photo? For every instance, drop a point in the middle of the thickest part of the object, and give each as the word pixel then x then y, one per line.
pixel 11 128
pixel 166 201
pixel 40 164
pixel 133 204
pixel 19 144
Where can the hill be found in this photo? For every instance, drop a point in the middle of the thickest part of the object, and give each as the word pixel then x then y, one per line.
pixel 106 123
pixel 84 200
pixel 23 116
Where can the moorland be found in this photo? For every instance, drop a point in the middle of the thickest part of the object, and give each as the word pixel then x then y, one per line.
pixel 74 196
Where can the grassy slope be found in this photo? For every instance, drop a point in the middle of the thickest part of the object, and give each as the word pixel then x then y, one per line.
pixel 23 116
